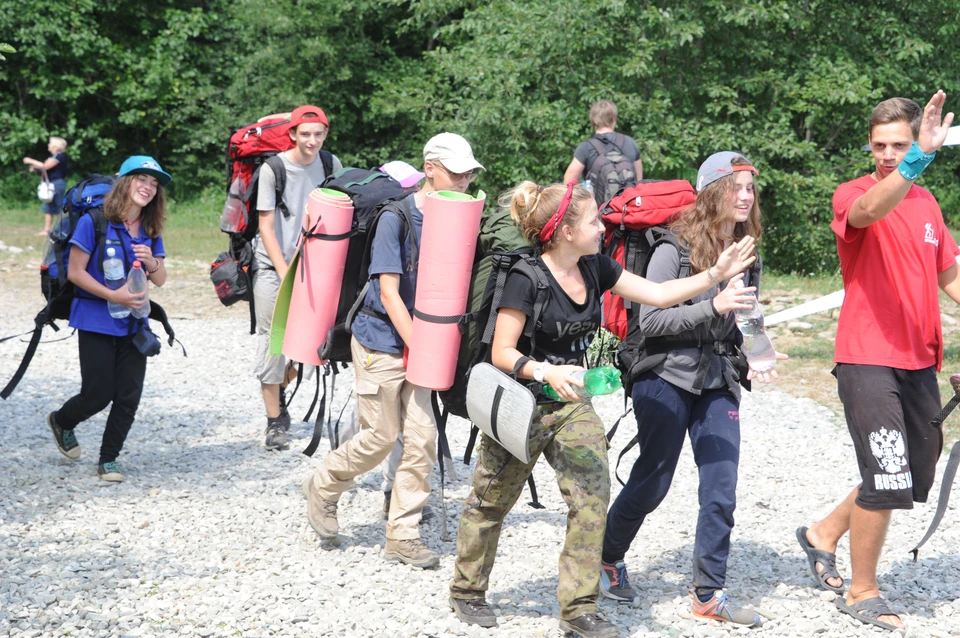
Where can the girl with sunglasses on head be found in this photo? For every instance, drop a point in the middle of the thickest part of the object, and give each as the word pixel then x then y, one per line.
pixel 564 224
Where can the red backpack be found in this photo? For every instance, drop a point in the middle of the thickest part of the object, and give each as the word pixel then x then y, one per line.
pixel 249 148
pixel 635 219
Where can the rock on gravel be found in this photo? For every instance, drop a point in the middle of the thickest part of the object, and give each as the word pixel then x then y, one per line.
pixel 208 535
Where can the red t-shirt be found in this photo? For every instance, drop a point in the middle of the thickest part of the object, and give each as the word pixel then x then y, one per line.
pixel 891 311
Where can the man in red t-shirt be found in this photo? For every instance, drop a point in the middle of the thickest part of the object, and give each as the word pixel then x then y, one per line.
pixel 895 252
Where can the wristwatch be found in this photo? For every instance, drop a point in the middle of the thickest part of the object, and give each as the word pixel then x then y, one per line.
pixel 538 372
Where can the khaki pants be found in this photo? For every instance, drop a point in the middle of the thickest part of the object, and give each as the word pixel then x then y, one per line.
pixel 571 438
pixel 387 406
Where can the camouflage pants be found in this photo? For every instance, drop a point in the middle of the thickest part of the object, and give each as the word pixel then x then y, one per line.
pixel 571 438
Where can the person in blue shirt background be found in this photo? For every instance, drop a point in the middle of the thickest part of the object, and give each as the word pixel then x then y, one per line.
pixel 111 367
pixel 56 170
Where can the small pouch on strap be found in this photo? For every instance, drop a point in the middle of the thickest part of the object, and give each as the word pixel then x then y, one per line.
pixel 502 408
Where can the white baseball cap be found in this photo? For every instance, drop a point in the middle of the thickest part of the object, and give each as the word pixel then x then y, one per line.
pixel 452 151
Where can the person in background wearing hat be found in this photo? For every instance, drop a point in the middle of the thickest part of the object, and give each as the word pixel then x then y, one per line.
pixel 275 245
pixel 389 406
pixel 895 252
pixel 112 369
pixel 55 168
pixel 686 382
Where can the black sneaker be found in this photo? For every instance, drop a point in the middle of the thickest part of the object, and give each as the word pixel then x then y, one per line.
pixel 425 514
pixel 66 440
pixel 276 435
pixel 473 611
pixel 590 626
pixel 110 472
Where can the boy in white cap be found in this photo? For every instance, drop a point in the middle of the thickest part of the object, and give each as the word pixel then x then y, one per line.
pixel 388 405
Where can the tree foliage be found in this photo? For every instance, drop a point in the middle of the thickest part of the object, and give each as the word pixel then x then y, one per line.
pixel 790 84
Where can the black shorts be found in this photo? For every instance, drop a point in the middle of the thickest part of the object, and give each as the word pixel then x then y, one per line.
pixel 888 414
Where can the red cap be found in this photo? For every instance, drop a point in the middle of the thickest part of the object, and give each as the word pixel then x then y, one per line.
pixel 307 114
pixel 137 264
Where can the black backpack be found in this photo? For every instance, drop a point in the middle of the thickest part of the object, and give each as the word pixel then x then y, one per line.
pixel 373 193
pixel 85 198
pixel 611 171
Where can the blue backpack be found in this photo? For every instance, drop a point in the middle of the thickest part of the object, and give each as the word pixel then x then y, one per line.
pixel 84 198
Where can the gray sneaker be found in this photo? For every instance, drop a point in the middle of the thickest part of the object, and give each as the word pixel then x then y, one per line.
pixel 276 434
pixel 473 611
pixel 110 472
pixel 412 552
pixel 614 582
pixel 590 626
pixel 321 513
pixel 66 440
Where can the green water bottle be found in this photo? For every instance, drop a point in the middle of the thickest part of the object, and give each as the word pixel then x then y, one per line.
pixel 596 382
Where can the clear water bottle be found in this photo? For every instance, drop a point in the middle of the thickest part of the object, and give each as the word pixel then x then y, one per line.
pixel 596 382
pixel 114 279
pixel 49 255
pixel 137 285
pixel 231 219
pixel 757 346
pixel 588 185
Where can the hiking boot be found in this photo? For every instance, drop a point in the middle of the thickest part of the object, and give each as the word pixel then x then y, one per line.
pixel 276 435
pixel 473 611
pixel 590 626
pixel 321 513
pixel 110 471
pixel 284 418
pixel 721 607
pixel 411 551
pixel 425 514
pixel 614 582
pixel 66 439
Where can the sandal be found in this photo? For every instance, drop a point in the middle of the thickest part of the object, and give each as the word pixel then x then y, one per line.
pixel 825 558
pixel 868 611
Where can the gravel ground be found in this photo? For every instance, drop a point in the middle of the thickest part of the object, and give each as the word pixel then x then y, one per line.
pixel 208 536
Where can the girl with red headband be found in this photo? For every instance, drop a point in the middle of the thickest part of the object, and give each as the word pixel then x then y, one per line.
pixel 565 225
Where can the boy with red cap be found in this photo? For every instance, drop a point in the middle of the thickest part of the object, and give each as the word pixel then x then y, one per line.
pixel 305 167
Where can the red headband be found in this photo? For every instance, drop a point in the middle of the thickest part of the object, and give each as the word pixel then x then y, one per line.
pixel 551 226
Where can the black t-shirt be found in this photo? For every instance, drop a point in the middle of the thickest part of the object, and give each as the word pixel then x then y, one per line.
pixel 60 170
pixel 566 328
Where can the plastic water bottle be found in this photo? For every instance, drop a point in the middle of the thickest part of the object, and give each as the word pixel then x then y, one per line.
pixel 756 344
pixel 596 382
pixel 588 185
pixel 138 285
pixel 232 215
pixel 114 279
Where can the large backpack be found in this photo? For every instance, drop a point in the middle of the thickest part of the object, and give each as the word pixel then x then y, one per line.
pixel 611 171
pixel 84 198
pixel 635 219
pixel 373 193
pixel 249 148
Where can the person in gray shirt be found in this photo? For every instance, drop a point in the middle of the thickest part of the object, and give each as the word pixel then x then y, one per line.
pixel 275 245
pixel 690 387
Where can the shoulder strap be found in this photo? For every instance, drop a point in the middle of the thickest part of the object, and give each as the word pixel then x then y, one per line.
pixel 275 162
pixel 530 267
pixel 599 147
pixel 619 141
pixel 326 158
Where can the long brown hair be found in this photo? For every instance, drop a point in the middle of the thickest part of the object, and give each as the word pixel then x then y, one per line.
pixel 700 227
pixel 531 207
pixel 118 200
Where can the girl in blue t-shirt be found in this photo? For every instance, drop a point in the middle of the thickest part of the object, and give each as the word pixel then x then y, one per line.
pixel 565 225
pixel 112 369
pixel 55 169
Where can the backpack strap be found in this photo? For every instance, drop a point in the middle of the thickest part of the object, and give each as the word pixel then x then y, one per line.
pixel 326 160
pixel 402 211
pixel 275 162
pixel 601 149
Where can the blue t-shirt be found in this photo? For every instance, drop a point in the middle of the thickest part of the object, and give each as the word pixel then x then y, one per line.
pixel 389 254
pixel 88 312
pixel 60 170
